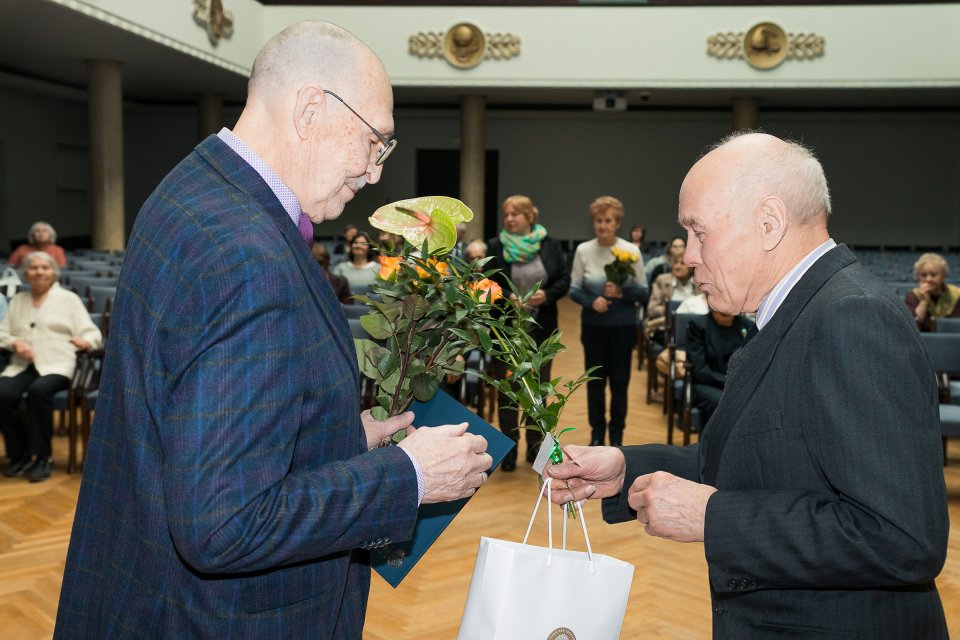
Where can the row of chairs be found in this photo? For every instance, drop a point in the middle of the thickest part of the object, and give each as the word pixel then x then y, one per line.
pixel 943 348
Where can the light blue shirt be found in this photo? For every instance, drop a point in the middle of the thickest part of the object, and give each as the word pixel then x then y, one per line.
pixel 772 301
pixel 292 206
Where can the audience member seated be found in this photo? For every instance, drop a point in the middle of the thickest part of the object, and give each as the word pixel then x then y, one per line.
pixel 659 265
pixel 459 249
pixel 44 328
pixel 349 233
pixel 678 285
pixel 340 285
pixel 360 269
pixel 711 341
pixel 695 304
pixel 476 250
pixel 933 298
pixel 525 253
pixel 608 321
pixel 41 237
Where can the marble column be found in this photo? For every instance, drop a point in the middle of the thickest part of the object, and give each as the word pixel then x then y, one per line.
pixel 105 94
pixel 210 112
pixel 746 113
pixel 473 160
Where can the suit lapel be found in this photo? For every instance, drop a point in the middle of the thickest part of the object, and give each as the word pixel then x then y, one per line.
pixel 748 366
pixel 235 170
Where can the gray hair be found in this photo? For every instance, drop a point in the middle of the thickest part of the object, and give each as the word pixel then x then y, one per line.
pixel 933 258
pixel 476 243
pixel 37 225
pixel 42 255
pixel 794 172
pixel 311 50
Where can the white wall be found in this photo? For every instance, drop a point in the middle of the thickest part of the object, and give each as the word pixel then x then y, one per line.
pixel 646 47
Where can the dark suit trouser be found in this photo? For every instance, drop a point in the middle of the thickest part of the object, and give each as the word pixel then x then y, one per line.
pixel 509 420
pixel 36 440
pixel 612 349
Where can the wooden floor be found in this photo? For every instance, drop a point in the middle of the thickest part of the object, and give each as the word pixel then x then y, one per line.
pixel 669 599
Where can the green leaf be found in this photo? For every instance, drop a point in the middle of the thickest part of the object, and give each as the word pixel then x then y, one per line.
pixel 386 363
pixel 485 342
pixel 363 347
pixel 379 413
pixel 376 325
pixel 389 384
pixel 430 219
pixel 424 386
pixel 415 367
pixel 415 307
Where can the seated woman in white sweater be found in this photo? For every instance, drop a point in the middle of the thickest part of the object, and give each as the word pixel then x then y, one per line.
pixel 44 328
pixel 359 270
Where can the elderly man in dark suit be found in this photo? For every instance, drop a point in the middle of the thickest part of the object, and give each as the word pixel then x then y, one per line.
pixel 231 484
pixel 817 490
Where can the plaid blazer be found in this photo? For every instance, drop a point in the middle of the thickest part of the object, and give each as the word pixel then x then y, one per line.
pixel 830 519
pixel 227 487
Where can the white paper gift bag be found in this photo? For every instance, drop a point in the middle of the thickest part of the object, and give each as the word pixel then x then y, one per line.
pixel 524 592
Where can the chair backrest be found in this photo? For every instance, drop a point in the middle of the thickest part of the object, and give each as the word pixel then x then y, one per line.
pixel 901 287
pixel 355 310
pixel 80 283
pixel 681 320
pixel 668 313
pixel 102 296
pixel 356 329
pixel 944 351
pixel 948 325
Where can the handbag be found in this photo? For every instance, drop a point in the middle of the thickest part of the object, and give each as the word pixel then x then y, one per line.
pixel 521 591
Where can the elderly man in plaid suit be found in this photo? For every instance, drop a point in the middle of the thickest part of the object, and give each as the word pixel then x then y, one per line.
pixel 232 485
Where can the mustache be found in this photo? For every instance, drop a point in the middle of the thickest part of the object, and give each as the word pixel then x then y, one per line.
pixel 357 183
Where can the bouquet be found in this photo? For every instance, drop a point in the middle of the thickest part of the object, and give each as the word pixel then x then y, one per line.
pixel 621 269
pixel 428 309
pixel 425 309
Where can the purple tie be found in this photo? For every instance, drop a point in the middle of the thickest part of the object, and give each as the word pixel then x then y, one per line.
pixel 306 229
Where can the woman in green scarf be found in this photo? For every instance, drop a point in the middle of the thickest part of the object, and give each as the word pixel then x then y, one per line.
pixel 933 298
pixel 527 255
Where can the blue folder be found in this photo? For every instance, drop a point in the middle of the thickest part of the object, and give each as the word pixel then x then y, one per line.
pixel 394 561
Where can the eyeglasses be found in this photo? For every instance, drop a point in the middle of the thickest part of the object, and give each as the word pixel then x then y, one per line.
pixel 389 144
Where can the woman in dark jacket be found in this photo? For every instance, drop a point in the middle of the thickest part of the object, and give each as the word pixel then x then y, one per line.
pixel 527 255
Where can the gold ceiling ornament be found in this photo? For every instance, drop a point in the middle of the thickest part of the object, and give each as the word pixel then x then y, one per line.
pixel 765 45
pixel 211 15
pixel 464 46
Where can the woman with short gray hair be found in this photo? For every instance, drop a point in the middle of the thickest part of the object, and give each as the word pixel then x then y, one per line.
pixel 44 328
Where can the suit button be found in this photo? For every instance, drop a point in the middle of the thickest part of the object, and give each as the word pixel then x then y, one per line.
pixel 719 610
pixel 732 585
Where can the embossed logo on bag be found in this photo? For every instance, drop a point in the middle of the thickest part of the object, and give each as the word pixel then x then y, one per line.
pixel 562 634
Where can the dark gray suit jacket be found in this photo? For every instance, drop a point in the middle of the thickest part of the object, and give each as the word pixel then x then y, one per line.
pixel 831 515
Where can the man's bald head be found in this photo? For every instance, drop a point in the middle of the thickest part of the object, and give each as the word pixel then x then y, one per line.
pixel 756 165
pixel 312 52
pixel 753 207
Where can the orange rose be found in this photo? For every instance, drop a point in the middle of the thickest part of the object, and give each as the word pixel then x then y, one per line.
pixel 489 290
pixel 389 266
pixel 442 268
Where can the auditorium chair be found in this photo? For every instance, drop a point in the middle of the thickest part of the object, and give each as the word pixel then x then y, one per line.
pixel 944 352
